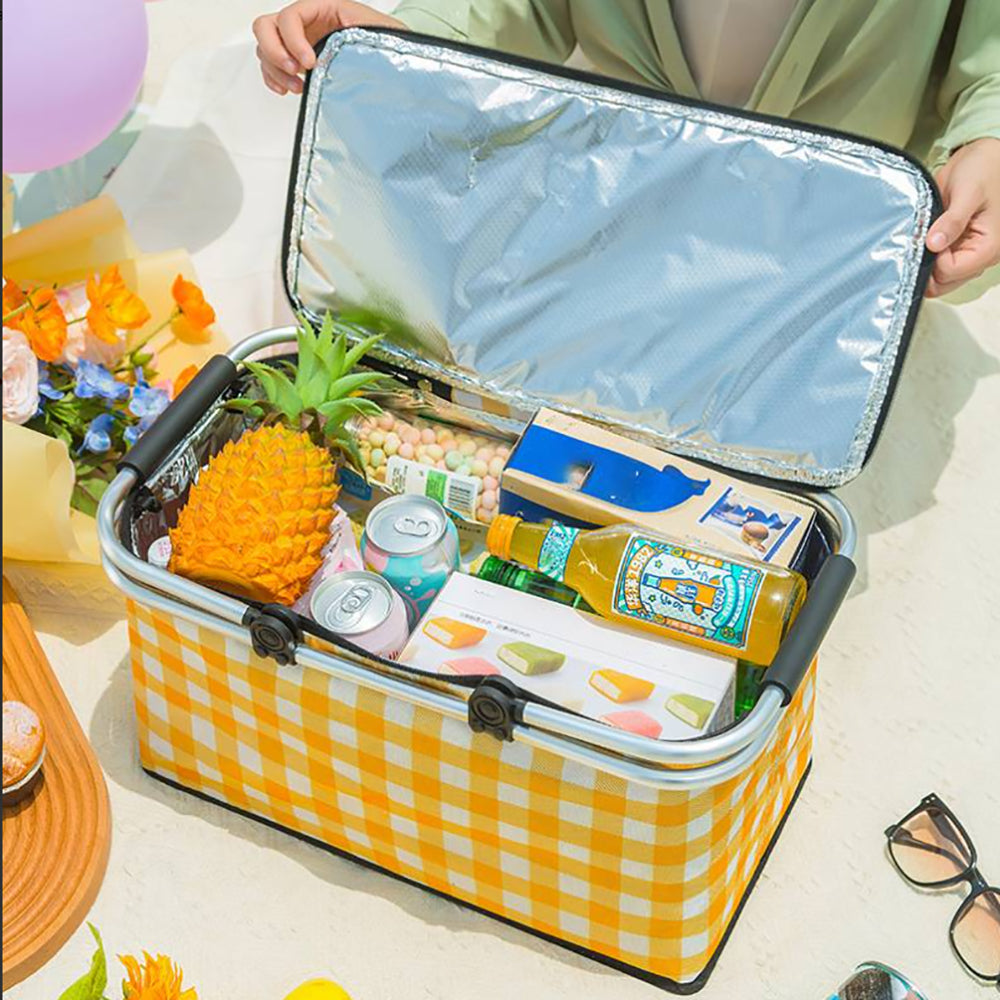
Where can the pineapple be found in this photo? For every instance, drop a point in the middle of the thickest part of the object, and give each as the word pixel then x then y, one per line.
pixel 257 520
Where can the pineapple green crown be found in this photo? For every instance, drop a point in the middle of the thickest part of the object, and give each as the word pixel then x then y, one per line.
pixel 320 392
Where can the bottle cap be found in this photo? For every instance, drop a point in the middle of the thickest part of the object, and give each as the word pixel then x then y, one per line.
pixel 500 534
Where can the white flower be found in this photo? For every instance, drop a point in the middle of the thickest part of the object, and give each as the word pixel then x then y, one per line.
pixel 20 378
pixel 80 342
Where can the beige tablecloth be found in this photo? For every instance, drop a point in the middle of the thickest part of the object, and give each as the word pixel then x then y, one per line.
pixel 909 684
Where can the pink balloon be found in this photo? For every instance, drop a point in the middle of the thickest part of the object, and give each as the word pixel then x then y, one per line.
pixel 71 69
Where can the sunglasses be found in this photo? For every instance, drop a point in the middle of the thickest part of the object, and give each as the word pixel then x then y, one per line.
pixel 874 981
pixel 931 850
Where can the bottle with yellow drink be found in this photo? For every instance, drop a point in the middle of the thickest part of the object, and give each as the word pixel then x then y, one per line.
pixel 738 607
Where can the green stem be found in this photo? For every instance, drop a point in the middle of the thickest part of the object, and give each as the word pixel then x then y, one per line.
pixel 149 336
pixel 17 311
pixel 27 304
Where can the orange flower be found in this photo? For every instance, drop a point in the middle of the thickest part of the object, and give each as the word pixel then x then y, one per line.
pixel 113 307
pixel 43 322
pixel 13 299
pixel 182 380
pixel 155 979
pixel 193 315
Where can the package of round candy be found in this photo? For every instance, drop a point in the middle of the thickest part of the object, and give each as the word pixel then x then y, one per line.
pixel 438 446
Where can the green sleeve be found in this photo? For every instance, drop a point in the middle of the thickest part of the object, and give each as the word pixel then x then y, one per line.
pixel 539 29
pixel 969 98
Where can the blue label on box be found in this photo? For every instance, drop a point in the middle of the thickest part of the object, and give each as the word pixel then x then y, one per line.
pixel 352 483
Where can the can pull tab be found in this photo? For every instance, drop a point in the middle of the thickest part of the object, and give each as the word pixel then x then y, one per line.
pixel 418 527
pixel 356 599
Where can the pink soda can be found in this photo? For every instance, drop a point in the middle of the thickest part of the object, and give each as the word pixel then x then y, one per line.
pixel 362 608
pixel 411 542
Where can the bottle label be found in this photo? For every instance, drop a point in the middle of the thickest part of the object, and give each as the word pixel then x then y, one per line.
pixel 555 551
pixel 671 586
pixel 457 493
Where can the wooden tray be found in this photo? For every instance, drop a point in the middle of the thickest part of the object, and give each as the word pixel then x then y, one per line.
pixel 56 841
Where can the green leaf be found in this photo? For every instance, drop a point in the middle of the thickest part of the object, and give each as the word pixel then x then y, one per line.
pixel 346 443
pixel 307 356
pixel 92 984
pixel 358 351
pixel 279 389
pixel 337 411
pixel 315 392
pixel 324 343
pixel 87 493
pixel 264 376
pixel 251 407
pixel 353 383
pixel 339 353
pixel 63 434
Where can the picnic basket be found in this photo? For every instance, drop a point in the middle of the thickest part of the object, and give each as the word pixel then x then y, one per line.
pixel 733 288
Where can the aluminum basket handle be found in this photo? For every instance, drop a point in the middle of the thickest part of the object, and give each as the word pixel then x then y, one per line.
pixel 180 417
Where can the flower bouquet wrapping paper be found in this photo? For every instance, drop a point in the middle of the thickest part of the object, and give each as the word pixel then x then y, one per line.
pixel 98 337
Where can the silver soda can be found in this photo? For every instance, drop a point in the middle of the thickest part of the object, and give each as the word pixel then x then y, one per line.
pixel 411 542
pixel 364 609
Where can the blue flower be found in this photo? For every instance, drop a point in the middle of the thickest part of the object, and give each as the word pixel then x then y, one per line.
pixel 147 403
pixel 95 380
pixel 98 436
pixel 45 386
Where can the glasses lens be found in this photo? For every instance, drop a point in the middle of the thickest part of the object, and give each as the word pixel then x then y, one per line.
pixel 929 848
pixel 976 934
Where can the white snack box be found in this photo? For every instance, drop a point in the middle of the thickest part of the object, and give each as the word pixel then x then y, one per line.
pixel 607 670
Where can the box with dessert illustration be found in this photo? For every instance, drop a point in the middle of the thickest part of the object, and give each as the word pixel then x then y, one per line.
pixel 574 659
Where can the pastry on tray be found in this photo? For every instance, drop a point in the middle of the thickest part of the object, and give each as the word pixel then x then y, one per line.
pixel 691 709
pixel 470 666
pixel 529 659
pixel 634 721
pixel 23 750
pixel 454 634
pixel 620 687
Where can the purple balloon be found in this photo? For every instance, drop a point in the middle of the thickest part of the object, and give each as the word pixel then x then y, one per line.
pixel 71 69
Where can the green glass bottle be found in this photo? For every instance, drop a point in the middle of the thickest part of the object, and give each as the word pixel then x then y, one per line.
pixel 508 574
pixel 748 681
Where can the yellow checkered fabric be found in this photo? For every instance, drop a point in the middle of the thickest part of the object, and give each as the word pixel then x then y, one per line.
pixel 647 878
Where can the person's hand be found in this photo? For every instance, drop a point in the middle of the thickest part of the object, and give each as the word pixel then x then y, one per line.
pixel 966 237
pixel 285 40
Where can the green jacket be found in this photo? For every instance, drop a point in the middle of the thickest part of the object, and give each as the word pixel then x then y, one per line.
pixel 920 74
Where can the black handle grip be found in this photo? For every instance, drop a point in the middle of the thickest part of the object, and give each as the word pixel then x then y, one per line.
pixel 179 417
pixel 803 639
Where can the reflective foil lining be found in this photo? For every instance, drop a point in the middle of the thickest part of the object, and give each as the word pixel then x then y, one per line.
pixel 731 289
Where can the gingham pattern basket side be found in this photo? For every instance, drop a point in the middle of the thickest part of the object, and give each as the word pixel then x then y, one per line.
pixel 648 878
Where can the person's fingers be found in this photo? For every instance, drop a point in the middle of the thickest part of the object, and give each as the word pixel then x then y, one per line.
pixel 935 289
pixel 965 260
pixel 291 27
pixel 961 206
pixel 272 84
pixel 289 81
pixel 279 82
pixel 270 47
